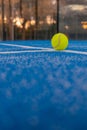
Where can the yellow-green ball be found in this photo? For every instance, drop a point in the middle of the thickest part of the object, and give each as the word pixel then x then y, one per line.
pixel 59 41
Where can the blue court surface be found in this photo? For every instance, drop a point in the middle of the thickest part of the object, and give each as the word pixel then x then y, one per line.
pixel 43 89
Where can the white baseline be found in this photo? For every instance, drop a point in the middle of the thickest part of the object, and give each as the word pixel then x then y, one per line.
pixel 41 49
pixel 44 50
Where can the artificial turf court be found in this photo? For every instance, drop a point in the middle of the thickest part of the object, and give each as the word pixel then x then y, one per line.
pixel 43 89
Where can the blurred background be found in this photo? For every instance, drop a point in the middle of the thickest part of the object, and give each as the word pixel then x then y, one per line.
pixel 40 19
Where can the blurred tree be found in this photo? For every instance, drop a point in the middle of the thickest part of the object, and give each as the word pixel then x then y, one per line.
pixel 20 7
pixel 35 14
pixel 3 28
pixel 10 19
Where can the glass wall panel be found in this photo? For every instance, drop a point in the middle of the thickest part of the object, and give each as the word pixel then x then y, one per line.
pixel 47 16
pixel 73 18
pixel 28 19
pixel 40 19
pixel 0 20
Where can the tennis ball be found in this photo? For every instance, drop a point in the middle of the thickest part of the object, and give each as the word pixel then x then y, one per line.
pixel 59 41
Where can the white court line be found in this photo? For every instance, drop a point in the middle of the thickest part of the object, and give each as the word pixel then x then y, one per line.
pixel 22 46
pixel 78 46
pixel 33 47
pixel 76 52
pixel 49 50
pixel 14 52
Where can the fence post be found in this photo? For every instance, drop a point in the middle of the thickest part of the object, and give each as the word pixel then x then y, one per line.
pixel 57 16
pixel 3 27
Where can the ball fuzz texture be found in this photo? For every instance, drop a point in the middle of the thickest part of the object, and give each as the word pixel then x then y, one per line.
pixel 59 41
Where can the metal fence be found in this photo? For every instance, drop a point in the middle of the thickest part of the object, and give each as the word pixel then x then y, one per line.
pixel 28 19
pixel 73 18
pixel 40 19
